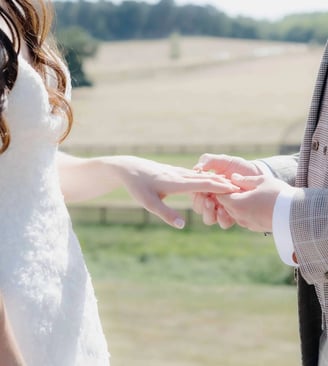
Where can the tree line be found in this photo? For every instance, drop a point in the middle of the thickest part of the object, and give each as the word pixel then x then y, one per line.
pixel 79 24
pixel 105 20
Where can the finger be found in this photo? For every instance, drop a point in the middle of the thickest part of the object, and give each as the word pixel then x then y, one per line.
pixel 218 180
pixel 224 219
pixel 247 183
pixel 209 212
pixel 227 200
pixel 156 206
pixel 218 163
pixel 198 203
pixel 203 175
pixel 205 185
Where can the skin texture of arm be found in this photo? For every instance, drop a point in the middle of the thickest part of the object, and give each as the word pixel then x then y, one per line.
pixel 147 181
pixel 9 351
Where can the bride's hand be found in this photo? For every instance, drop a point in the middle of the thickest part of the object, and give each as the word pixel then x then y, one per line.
pixel 149 182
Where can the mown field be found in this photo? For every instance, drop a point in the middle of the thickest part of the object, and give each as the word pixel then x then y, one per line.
pixel 201 296
pixel 220 91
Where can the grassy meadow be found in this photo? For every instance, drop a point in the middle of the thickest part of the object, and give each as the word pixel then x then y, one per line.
pixel 195 297
pixel 201 296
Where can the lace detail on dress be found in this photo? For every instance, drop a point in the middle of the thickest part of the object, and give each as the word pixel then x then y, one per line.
pixel 43 277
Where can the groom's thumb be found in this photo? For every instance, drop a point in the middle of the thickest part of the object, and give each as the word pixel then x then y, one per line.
pixel 246 183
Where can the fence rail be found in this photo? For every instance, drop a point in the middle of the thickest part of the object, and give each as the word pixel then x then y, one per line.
pixel 158 149
pixel 129 214
pixel 125 213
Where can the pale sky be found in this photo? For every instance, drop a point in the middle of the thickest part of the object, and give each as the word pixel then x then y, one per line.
pixel 267 9
pixel 271 9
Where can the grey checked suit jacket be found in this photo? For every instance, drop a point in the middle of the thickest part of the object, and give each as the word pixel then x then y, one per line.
pixel 309 228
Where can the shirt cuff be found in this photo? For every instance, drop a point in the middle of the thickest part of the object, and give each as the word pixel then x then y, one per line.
pixel 281 229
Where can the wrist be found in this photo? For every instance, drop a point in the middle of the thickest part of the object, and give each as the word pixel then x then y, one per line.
pixel 110 168
pixel 117 168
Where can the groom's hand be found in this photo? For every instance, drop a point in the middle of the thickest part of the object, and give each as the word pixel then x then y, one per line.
pixel 253 207
pixel 207 205
pixel 227 165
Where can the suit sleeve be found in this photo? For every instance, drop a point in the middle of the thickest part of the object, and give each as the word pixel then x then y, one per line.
pixel 283 167
pixel 309 229
pixel 308 221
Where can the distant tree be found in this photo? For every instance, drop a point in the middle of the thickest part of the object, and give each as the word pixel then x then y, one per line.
pixel 298 33
pixel 130 19
pixel 243 27
pixel 303 28
pixel 187 18
pixel 161 19
pixel 76 45
pixel 133 19
pixel 213 22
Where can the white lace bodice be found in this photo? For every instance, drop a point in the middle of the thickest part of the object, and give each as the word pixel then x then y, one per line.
pixel 43 278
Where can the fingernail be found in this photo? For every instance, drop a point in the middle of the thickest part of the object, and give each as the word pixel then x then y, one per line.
pixel 179 223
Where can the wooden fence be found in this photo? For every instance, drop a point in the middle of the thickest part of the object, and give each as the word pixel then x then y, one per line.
pixel 126 214
pixel 158 149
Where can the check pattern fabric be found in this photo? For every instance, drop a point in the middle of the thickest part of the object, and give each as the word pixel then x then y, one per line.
pixel 309 219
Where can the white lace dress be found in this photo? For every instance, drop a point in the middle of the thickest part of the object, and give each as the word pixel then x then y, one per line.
pixel 43 277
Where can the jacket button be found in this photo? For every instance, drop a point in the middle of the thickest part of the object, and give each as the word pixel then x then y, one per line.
pixel 326 275
pixel 315 145
pixel 325 150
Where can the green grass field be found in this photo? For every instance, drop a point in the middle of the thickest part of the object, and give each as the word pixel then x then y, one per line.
pixel 198 254
pixel 201 296
pixel 191 325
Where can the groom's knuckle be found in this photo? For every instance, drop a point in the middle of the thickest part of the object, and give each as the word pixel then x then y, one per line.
pixel 204 157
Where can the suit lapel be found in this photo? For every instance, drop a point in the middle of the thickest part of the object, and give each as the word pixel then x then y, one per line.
pixel 314 113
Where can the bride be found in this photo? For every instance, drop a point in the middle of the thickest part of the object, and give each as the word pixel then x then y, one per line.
pixel 48 313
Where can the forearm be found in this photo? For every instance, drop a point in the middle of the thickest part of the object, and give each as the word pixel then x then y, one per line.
pixel 86 178
pixel 10 354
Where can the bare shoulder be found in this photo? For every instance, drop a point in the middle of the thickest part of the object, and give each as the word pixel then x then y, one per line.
pixel 4 26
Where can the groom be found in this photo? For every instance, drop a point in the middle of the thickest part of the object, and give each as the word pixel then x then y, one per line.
pixel 288 196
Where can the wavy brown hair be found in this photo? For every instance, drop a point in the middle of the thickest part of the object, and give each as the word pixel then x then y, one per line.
pixel 30 22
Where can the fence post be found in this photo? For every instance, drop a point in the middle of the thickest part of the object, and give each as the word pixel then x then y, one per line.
pixel 146 217
pixel 103 214
pixel 190 217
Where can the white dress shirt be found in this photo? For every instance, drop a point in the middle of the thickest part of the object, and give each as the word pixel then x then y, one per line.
pixel 280 222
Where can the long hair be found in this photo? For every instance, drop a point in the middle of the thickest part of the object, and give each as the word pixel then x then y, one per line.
pixel 29 21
